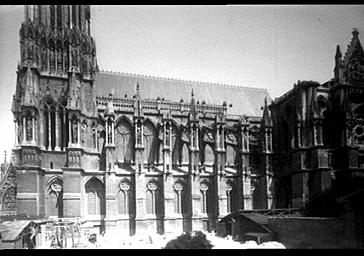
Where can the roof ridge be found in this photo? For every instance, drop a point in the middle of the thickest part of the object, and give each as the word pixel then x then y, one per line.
pixel 181 80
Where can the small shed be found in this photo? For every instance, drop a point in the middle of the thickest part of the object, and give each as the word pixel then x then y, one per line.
pixel 17 234
pixel 245 226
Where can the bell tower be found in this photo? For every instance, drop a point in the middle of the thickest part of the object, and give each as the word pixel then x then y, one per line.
pixel 54 105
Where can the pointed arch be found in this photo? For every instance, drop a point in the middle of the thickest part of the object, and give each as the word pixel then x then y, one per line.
pixel 54 196
pixel 180 193
pixel 124 140
pixel 359 110
pixel 153 197
pixel 50 106
pixel 95 196
pixel 124 118
pixel 123 197
pixel 8 205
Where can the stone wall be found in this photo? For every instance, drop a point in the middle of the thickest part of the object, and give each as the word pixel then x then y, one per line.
pixel 313 232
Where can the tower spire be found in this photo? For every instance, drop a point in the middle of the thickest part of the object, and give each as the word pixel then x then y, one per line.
pixel 338 52
pixel 355 33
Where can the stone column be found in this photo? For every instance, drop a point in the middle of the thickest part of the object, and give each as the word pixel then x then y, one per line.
pixel 57 147
pixel 16 133
pixel 246 179
pixel 69 132
pixel 217 141
pixel 78 133
pixel 56 55
pixel 96 139
pixel 77 16
pixel 64 131
pixel 33 130
pixel 41 131
pixel 112 133
pixel 24 130
pixel 107 132
pixel 49 131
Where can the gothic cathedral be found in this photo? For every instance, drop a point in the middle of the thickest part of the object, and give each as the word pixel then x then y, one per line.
pixel 140 153
pixel 129 151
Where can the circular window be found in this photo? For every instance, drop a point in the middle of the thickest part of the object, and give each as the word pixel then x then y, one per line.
pixel 229 185
pixel 152 186
pixel 204 186
pixel 178 186
pixel 124 185
pixel 56 188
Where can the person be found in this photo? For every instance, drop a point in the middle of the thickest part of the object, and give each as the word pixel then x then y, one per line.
pixel 197 240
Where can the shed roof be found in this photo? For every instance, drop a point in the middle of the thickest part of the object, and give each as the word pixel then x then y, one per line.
pixel 12 229
pixel 245 100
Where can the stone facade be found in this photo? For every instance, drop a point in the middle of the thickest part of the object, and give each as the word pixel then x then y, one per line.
pixel 85 149
pixel 318 132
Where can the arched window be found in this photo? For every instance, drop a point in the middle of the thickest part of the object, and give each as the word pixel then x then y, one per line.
pixel 229 196
pixel 123 197
pixel 29 127
pixel 59 57
pixel 151 197
pixel 122 202
pixel 9 202
pixel 49 127
pixel 74 130
pixel 43 54
pixel 55 197
pixel 150 142
pixel 124 142
pixel 178 190
pixel 52 59
pixel 204 187
pixel 95 197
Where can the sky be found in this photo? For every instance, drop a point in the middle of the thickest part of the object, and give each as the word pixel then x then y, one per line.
pixel 261 46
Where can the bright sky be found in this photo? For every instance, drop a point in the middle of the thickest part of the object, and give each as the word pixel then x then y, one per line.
pixel 256 45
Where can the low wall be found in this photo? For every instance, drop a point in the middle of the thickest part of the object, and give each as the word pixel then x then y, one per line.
pixel 313 232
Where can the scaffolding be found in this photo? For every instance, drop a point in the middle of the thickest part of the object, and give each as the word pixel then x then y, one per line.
pixel 61 234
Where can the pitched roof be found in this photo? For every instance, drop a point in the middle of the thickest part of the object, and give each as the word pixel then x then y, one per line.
pixel 245 100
